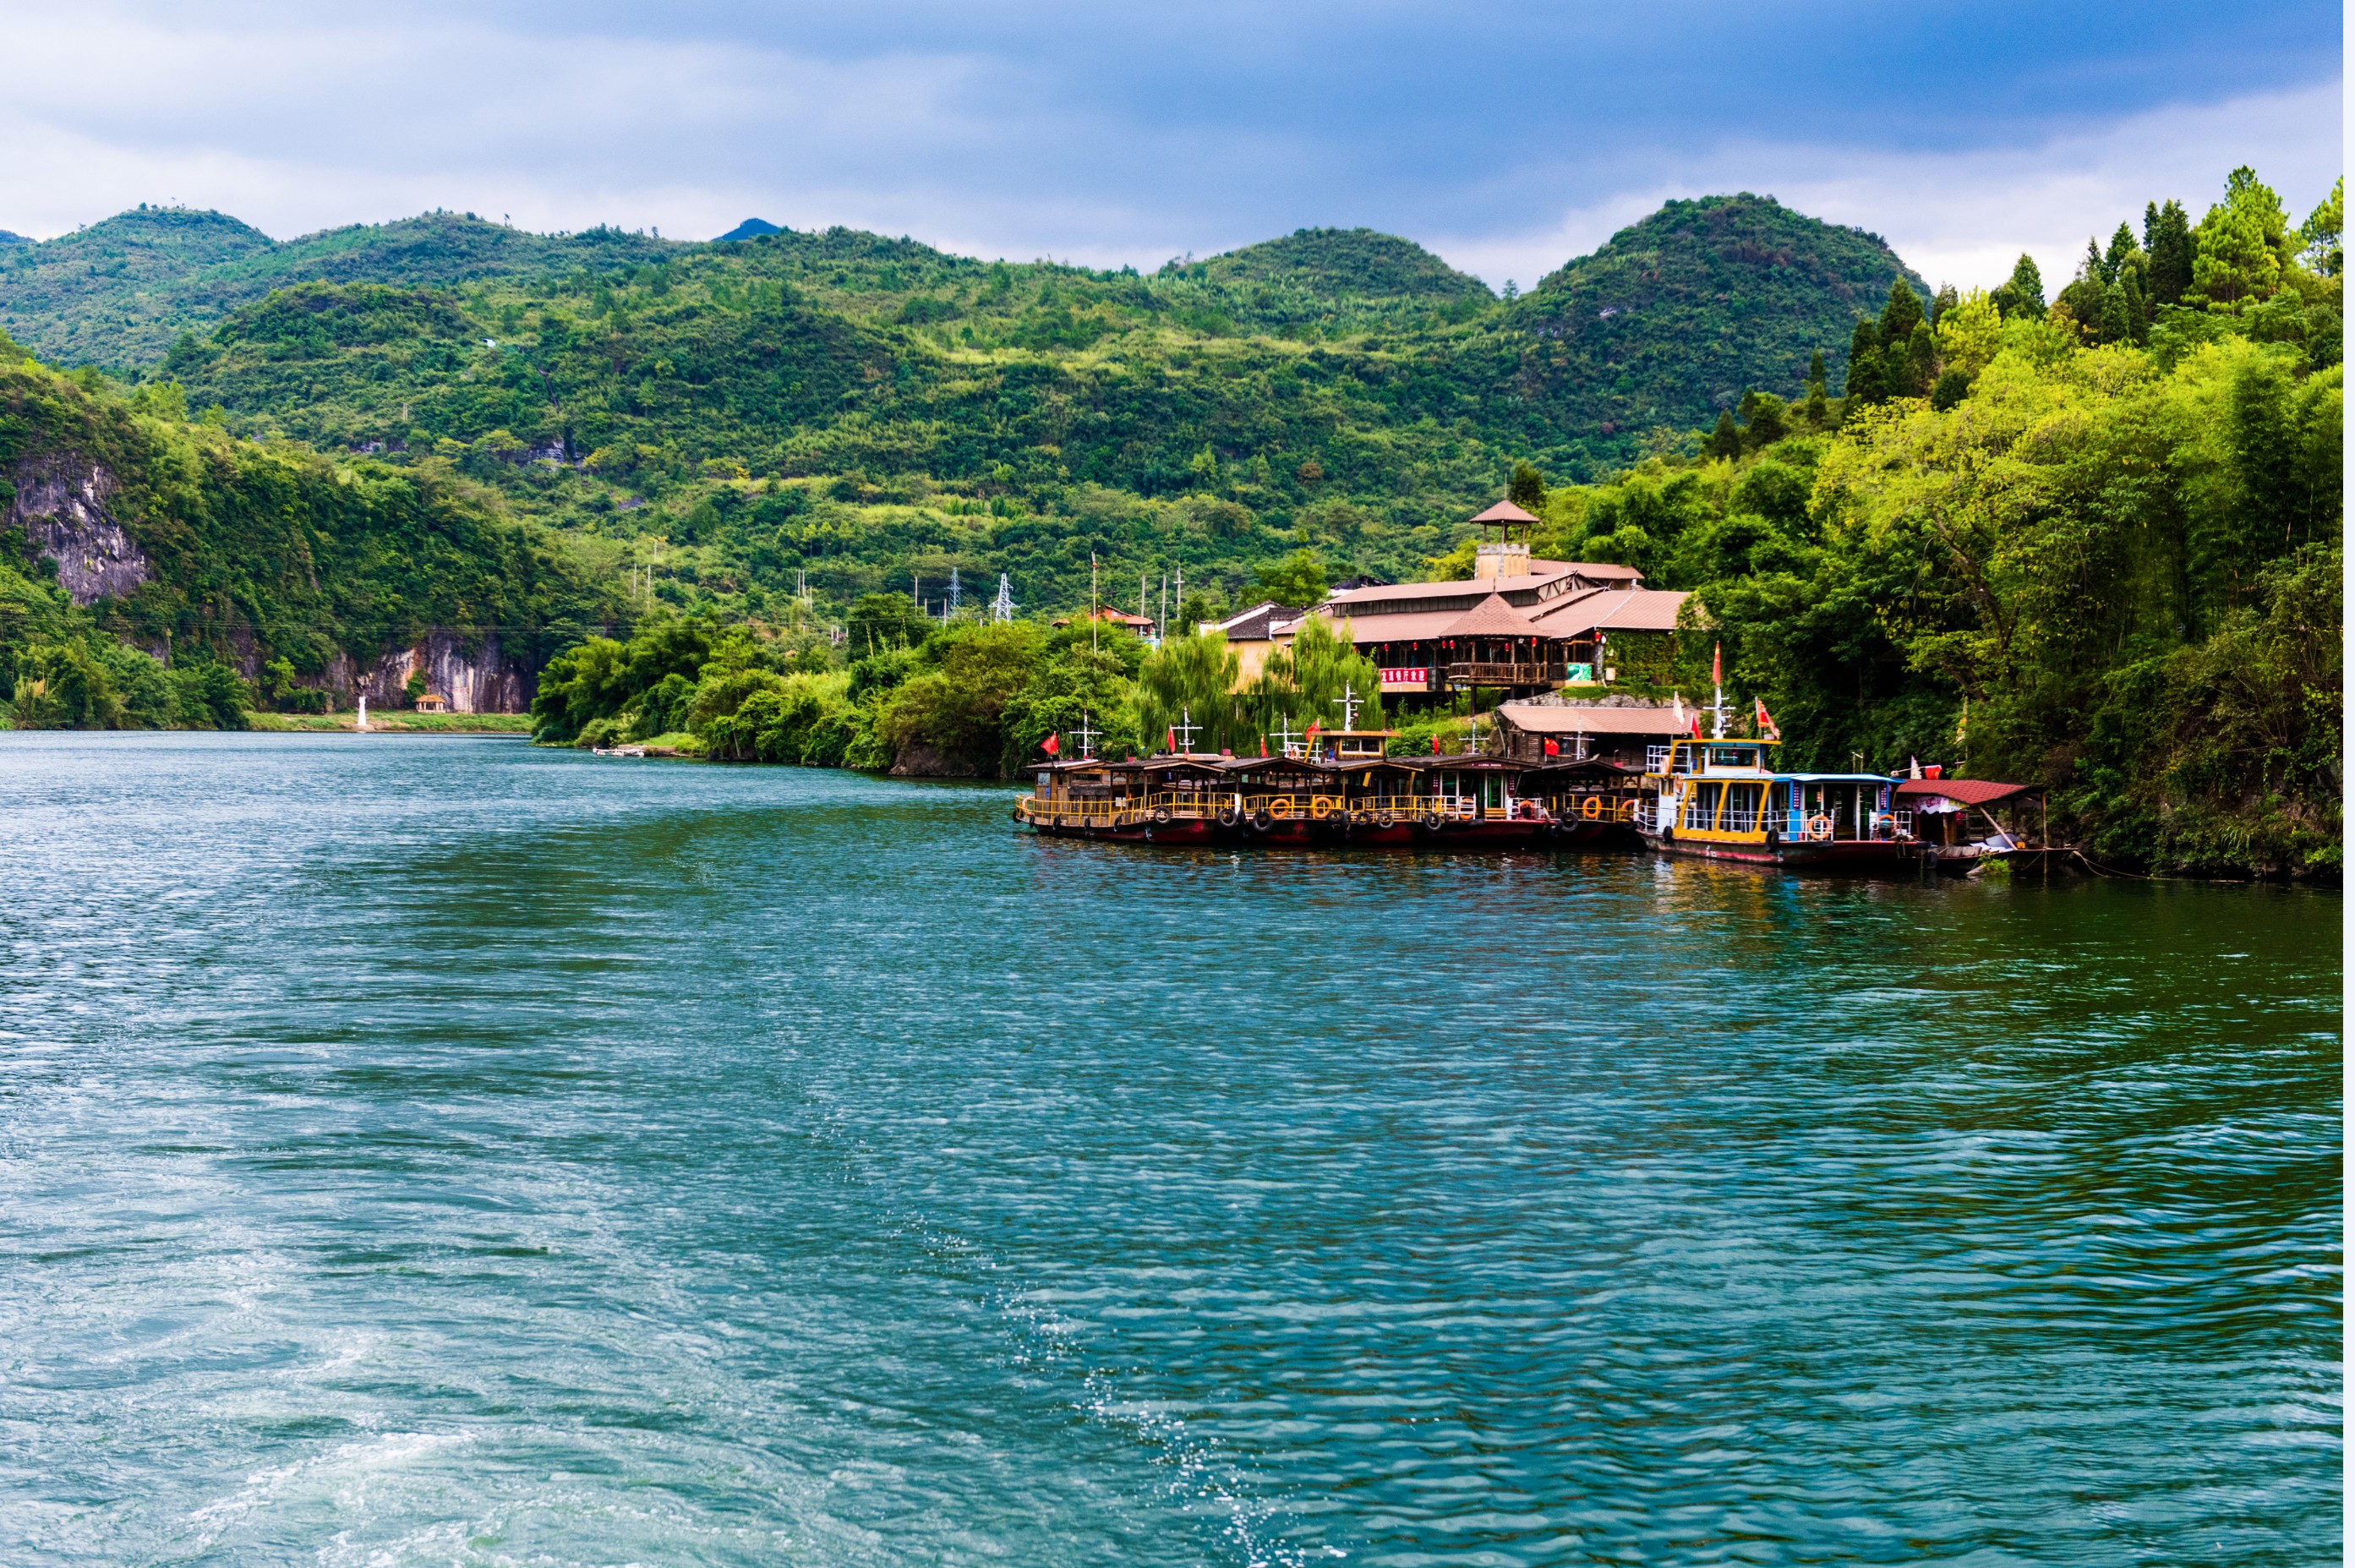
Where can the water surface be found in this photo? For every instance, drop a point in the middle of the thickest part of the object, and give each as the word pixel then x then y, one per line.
pixel 420 1150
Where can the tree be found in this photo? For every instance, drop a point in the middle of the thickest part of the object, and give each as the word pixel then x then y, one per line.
pixel 2326 249
pixel 1306 682
pixel 1527 491
pixel 1920 361
pixel 2123 254
pixel 1901 315
pixel 2023 293
pixel 1944 300
pixel 2166 241
pixel 1864 381
pixel 1816 375
pixel 1298 580
pixel 1194 678
pixel 1725 440
pixel 2118 321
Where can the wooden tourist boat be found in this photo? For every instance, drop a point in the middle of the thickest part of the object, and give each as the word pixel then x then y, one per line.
pixel 1720 799
pixel 1183 799
pixel 1593 801
pixel 1476 803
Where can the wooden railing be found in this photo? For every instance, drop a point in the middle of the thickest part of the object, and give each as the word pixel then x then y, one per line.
pixel 1503 674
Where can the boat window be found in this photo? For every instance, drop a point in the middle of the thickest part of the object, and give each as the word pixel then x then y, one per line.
pixel 1729 756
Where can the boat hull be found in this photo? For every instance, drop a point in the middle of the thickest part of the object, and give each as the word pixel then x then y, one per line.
pixel 1847 856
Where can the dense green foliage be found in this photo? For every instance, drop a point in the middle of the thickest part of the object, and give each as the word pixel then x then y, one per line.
pixel 273 560
pixel 2110 569
pixel 857 413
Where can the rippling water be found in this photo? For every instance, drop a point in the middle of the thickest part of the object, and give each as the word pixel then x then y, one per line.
pixel 431 1151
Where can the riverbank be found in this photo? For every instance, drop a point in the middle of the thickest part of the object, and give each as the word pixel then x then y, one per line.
pixel 394 722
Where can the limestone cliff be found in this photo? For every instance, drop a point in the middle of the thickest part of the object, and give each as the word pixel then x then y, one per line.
pixel 61 504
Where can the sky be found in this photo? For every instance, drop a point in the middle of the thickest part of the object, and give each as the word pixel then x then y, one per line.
pixel 1507 136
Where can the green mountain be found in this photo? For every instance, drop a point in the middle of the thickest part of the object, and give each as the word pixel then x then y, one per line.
pixel 1678 315
pixel 1336 390
pixel 750 229
pixel 116 294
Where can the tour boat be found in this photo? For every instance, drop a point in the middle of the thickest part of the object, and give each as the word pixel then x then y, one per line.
pixel 1181 799
pixel 1720 799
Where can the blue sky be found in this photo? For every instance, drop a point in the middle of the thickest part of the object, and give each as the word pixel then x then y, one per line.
pixel 1508 137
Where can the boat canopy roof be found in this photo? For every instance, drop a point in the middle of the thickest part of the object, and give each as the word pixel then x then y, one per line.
pixel 1833 778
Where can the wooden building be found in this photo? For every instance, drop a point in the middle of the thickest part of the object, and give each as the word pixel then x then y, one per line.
pixel 1578 732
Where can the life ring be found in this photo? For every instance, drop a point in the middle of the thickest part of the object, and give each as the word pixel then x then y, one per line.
pixel 1161 818
pixel 1820 826
pixel 1263 819
pixel 1319 807
pixel 1278 808
pixel 1592 809
pixel 1626 811
pixel 1228 816
pixel 1385 819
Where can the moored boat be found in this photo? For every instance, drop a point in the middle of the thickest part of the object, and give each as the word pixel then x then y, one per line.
pixel 1720 799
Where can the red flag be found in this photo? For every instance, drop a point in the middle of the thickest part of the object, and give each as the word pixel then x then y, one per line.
pixel 1173 740
pixel 1434 742
pixel 1263 745
pixel 1766 725
pixel 1696 726
pixel 1050 745
pixel 1553 749
pixel 1717 664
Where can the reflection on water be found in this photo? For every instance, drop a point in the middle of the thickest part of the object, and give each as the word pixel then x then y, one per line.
pixel 420 1150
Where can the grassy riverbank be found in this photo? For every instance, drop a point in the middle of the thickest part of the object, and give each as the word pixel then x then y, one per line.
pixel 396 723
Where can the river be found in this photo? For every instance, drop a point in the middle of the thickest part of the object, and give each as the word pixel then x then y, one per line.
pixel 423 1150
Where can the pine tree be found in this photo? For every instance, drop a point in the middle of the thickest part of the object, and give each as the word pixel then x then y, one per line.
pixel 2118 321
pixel 2023 292
pixel 2138 307
pixel 1943 301
pixel 1921 360
pixel 1900 315
pixel 2095 267
pixel 1864 364
pixel 2123 253
pixel 2166 241
pixel 1726 440
pixel 1816 375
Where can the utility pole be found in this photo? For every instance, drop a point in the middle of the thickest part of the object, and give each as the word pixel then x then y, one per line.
pixel 1002 607
pixel 956 592
pixel 1093 601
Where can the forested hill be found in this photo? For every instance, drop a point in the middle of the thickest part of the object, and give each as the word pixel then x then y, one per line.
pixel 1576 374
pixel 1680 314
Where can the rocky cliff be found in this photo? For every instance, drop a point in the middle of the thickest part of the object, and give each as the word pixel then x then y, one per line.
pixel 61 504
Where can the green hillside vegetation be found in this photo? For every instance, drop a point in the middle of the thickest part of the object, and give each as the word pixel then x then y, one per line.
pixel 117 293
pixel 846 411
pixel 2108 566
pixel 265 561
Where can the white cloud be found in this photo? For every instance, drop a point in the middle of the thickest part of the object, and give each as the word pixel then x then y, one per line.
pixel 1963 217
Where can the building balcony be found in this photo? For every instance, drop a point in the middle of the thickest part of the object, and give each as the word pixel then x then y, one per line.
pixel 1538 674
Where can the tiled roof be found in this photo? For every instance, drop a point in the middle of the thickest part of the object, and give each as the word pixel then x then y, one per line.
pixel 1964 791
pixel 1560 718
pixel 1627 609
pixel 1492 617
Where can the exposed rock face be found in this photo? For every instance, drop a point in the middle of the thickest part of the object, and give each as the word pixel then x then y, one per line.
pixel 61 506
pixel 923 760
pixel 483 681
